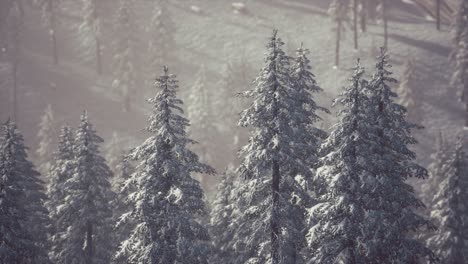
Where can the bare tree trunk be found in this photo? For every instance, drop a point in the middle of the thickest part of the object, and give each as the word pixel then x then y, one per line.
pixel 275 229
pixel 355 23
pixel 89 242
pixel 338 39
pixel 364 15
pixel 438 14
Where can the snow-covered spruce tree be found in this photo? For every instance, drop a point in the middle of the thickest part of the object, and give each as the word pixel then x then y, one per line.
pixel 408 96
pixel 162 29
pixel 339 12
pixel 122 205
pixel 61 170
pixel 450 210
pixel 49 18
pixel 166 201
pixel 436 171
pixel 86 210
pixel 271 196
pixel 338 232
pixel 45 135
pixel 221 223
pixel 391 204
pixel 90 33
pixel 24 219
pixel 125 52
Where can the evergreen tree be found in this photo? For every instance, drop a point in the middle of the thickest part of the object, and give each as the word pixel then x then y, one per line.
pixel 166 201
pixel 86 210
pixel 123 172
pixel 46 133
pixel 24 219
pixel 338 233
pixel 162 30
pixel 125 72
pixel 272 197
pixel 450 211
pixel 61 171
pixel 221 224
pixel 391 203
pixel 339 12
pixel 408 96
pixel 90 33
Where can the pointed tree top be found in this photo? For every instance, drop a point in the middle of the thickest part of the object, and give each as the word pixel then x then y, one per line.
pixel 166 70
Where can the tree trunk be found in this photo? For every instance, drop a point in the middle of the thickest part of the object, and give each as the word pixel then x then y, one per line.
pixel 355 23
pixel 438 14
pixel 89 242
pixel 338 39
pixel 274 217
pixel 385 22
pixel 363 15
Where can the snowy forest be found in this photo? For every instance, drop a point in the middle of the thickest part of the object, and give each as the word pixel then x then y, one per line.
pixel 233 131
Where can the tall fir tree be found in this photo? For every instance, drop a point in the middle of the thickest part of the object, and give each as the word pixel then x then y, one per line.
pixel 166 201
pixel 271 196
pixel 436 170
pixel 450 210
pixel 221 224
pixel 126 50
pixel 86 210
pixel 337 234
pixel 90 33
pixel 24 219
pixel 46 143
pixel 61 171
pixel 162 29
pixel 392 204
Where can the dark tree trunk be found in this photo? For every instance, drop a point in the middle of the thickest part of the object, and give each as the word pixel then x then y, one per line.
pixel 438 14
pixel 275 229
pixel 363 15
pixel 338 39
pixel 89 242
pixel 355 23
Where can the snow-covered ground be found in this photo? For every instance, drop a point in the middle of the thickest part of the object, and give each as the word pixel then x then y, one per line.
pixel 216 33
